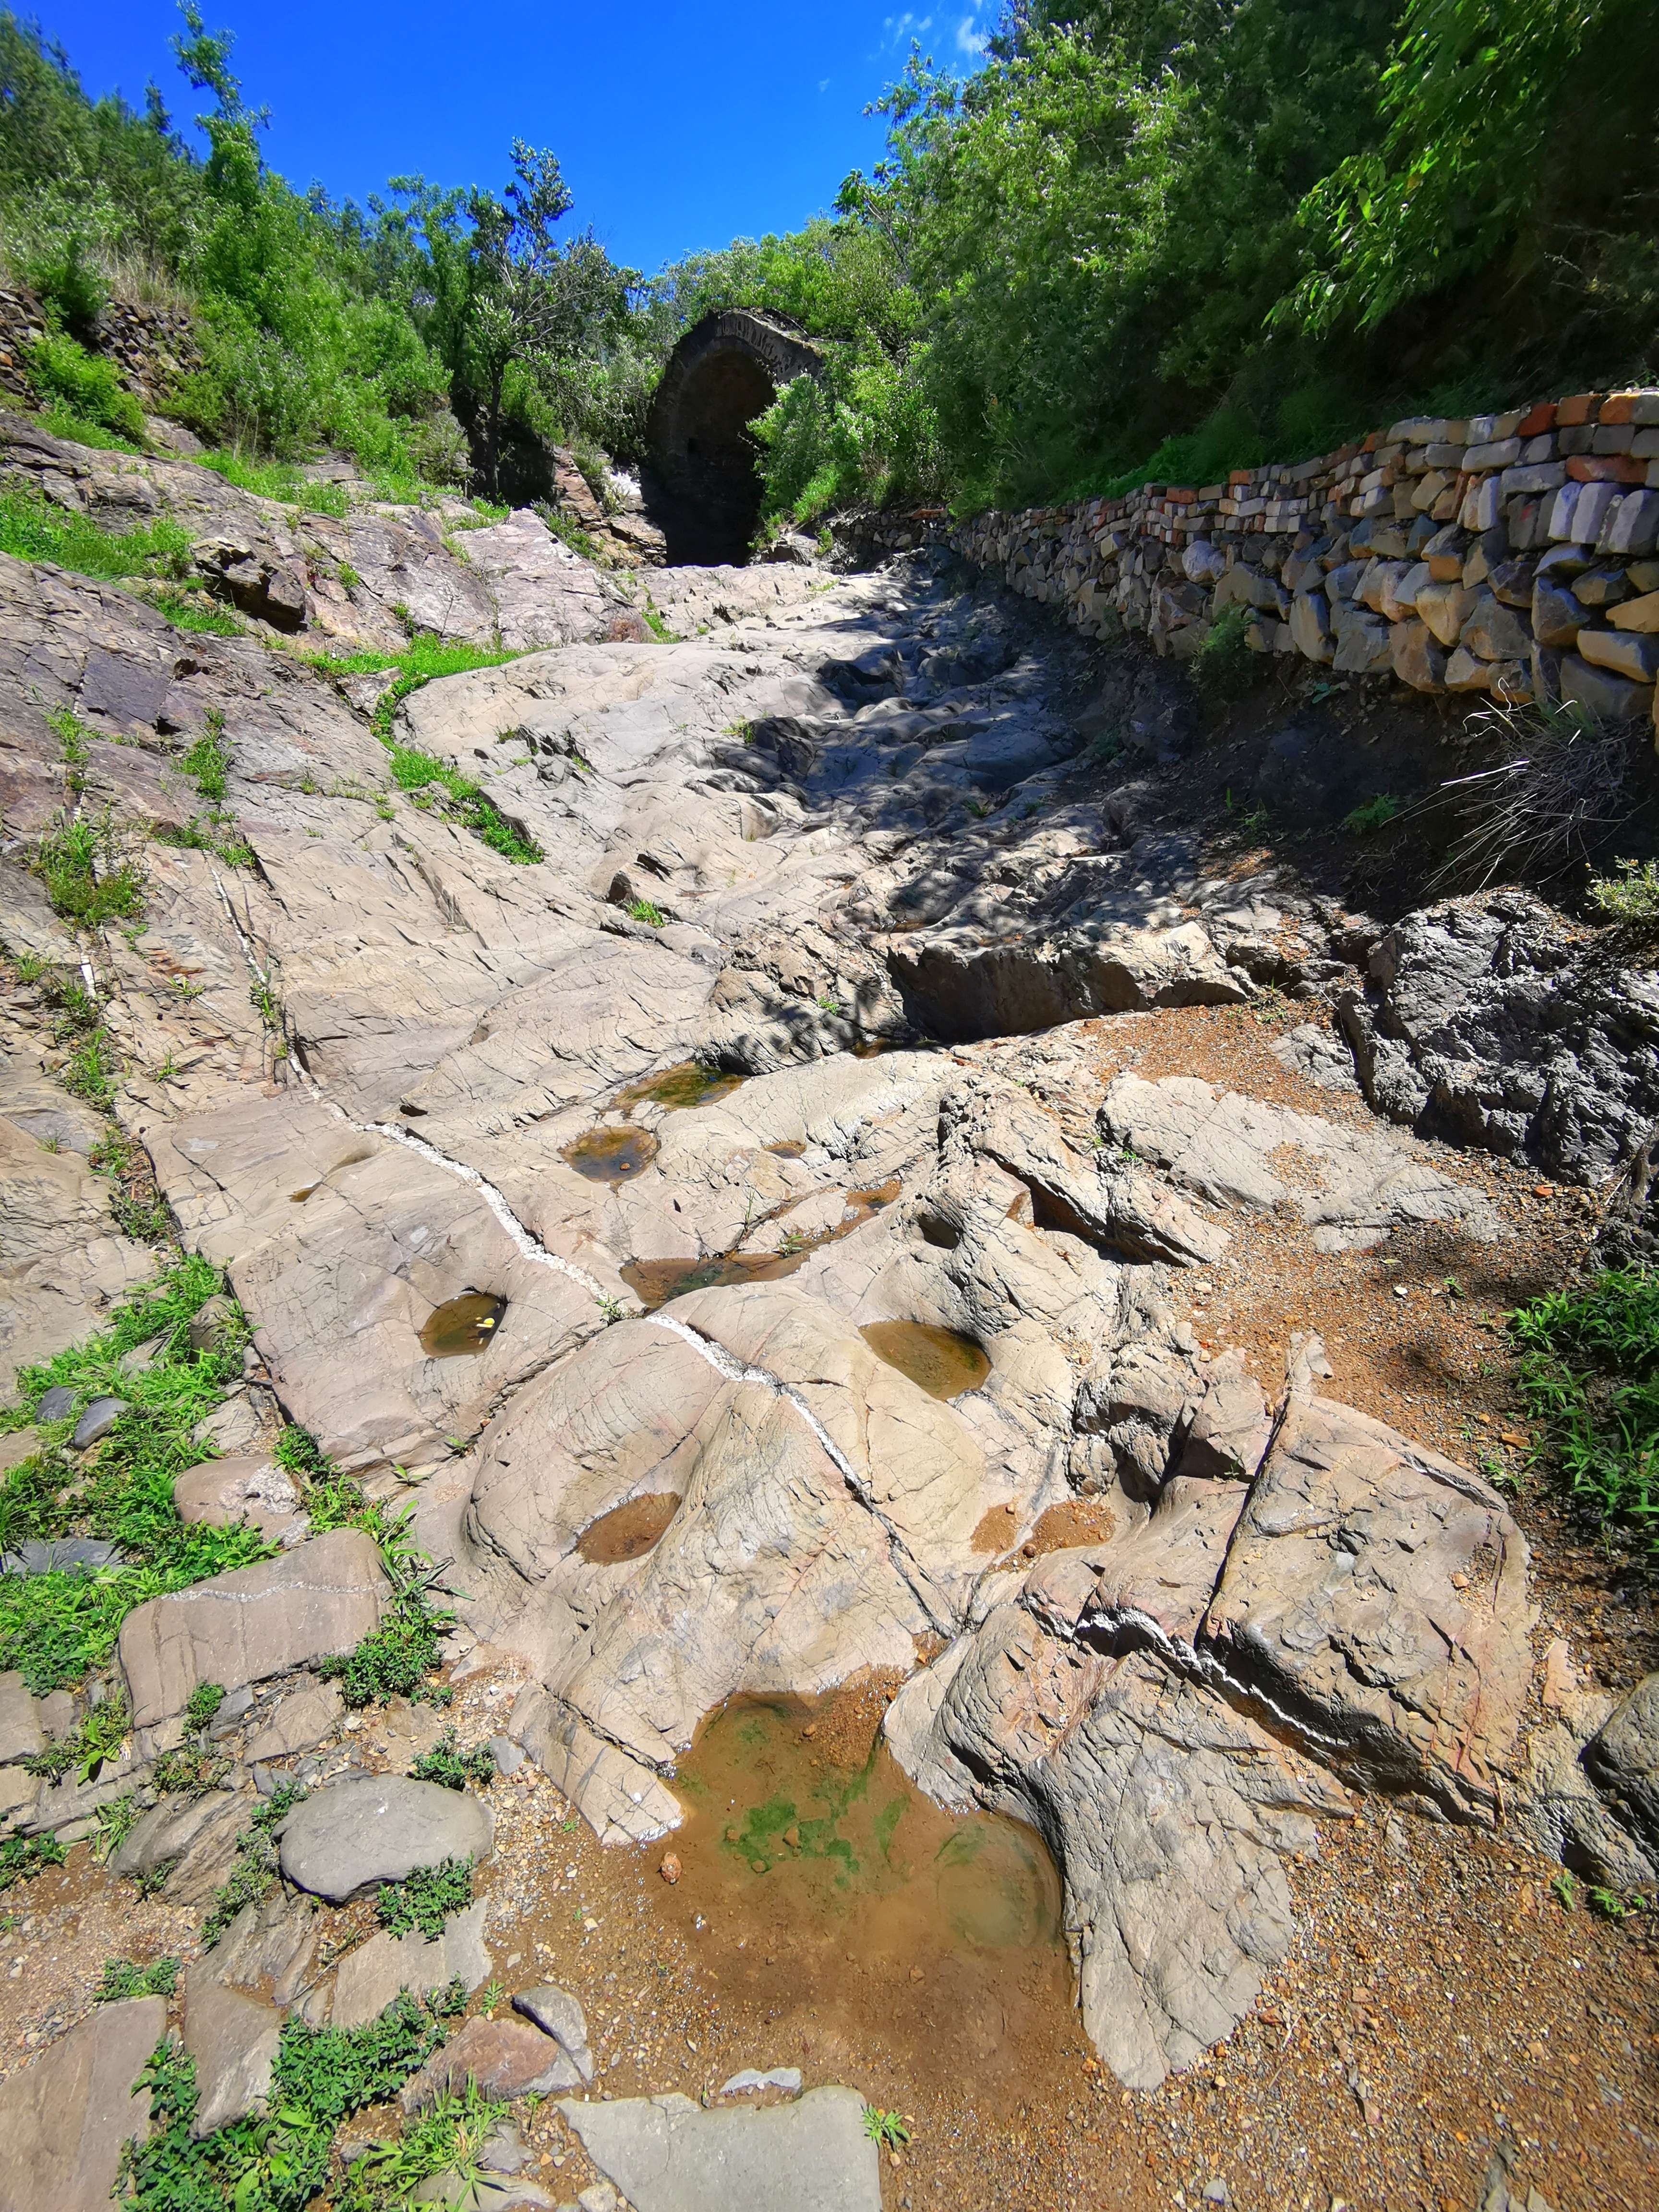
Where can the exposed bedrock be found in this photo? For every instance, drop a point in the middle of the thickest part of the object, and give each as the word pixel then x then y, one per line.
pixel 699 1387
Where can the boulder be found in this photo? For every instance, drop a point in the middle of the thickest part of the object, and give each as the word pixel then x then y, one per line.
pixel 1419 659
pixel 65 2117
pixel 96 1422
pixel 1357 1184
pixel 1228 1429
pixel 322 1597
pixel 1375 1599
pixel 374 1828
pixel 667 2154
pixel 233 2038
pixel 1604 693
pixel 1167 1811
pixel 196 1836
pixel 247 1487
pixel 19 1721
pixel 506 2058
pixel 1623 1757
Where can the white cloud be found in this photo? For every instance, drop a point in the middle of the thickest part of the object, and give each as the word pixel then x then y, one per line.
pixel 899 30
pixel 971 39
pixel 823 84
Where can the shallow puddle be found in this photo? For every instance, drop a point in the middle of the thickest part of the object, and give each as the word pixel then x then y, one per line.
pixel 655 1281
pixel 611 1155
pixel 943 1363
pixel 690 1084
pixel 461 1328
pixel 630 1530
pixel 852 1908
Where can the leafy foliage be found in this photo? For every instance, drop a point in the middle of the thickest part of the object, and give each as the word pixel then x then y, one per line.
pixel 88 879
pixel 55 1626
pixel 278 2163
pixel 425 1899
pixel 255 1866
pixel 122 1979
pixel 1590 1374
pixel 1630 895
pixel 98 1737
pixel 22 1857
pixel 447 1762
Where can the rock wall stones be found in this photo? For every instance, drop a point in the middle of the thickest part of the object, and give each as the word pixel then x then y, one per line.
pixel 1511 555
pixel 152 347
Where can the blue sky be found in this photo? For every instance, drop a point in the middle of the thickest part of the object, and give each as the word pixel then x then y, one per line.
pixel 679 123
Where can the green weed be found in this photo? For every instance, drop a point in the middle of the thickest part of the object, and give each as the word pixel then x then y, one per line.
pixel 1630 897
pixel 216 832
pixel 22 1857
pixel 640 909
pixel 425 1899
pixel 85 389
pixel 31 530
pixel 1225 668
pixel 1589 1376
pixel 448 1763
pixel 208 762
pixel 194 611
pixel 95 1741
pixel 88 879
pixel 190 1771
pixel 888 2130
pixel 123 1978
pixel 278 480
pixel 203 1704
pixel 113 1823
pixel 254 1869
pixel 54 1627
pixel 1376 814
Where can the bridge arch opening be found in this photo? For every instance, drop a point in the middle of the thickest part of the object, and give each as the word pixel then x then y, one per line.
pixel 704 455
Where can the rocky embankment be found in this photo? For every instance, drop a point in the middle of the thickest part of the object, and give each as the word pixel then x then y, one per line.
pixel 835 837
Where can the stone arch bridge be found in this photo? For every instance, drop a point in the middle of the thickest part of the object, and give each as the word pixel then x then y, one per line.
pixel 724 371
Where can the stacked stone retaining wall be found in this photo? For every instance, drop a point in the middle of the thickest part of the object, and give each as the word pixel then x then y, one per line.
pixel 1514 555
pixel 151 347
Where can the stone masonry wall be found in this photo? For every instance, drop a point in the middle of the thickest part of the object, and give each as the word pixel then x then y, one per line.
pixel 151 347
pixel 1512 554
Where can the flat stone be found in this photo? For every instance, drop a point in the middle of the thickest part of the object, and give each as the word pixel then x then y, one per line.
pixel 20 1732
pixel 45 1555
pixel 99 1418
pixel 667 2154
pixel 558 2013
pixel 247 1487
pixel 55 1404
pixel 370 1977
pixel 233 2038
pixel 379 1828
pixel 506 2058
pixel 752 2082
pixel 298 1721
pixel 65 2117
pixel 324 1596
pixel 196 1836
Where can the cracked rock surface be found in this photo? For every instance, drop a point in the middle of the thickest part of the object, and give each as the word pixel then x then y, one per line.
pixel 701 1106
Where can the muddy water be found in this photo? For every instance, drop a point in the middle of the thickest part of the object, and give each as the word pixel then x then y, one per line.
pixel 944 1364
pixel 611 1155
pixel 629 1531
pixel 690 1084
pixel 464 1326
pixel 852 1912
pixel 656 1281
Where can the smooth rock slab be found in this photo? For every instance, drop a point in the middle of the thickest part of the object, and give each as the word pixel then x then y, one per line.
pixel 370 1977
pixel 667 2154
pixel 1375 1596
pixel 64 2117
pixel 506 2058
pixel 298 1721
pixel 20 1721
pixel 322 1597
pixel 379 1828
pixel 233 2038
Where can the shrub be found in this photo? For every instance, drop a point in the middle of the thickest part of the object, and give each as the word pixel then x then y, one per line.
pixel 1224 667
pixel 122 1979
pixel 85 384
pixel 1631 896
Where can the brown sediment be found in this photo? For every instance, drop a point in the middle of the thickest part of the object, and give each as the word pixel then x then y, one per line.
pixel 464 1326
pixel 941 1361
pixel 630 1530
pixel 687 1084
pixel 611 1155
